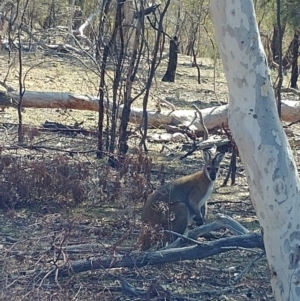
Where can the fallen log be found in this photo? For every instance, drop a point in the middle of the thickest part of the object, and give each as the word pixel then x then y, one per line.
pixel 222 245
pixel 213 117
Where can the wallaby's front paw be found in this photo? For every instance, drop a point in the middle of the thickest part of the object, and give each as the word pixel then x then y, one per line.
pixel 199 221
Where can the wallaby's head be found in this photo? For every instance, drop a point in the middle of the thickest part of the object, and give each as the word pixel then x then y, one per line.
pixel 211 167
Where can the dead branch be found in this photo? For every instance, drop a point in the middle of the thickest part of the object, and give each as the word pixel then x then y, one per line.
pixel 222 221
pixel 247 268
pixel 206 144
pixel 88 21
pixel 163 102
pixel 153 291
pixel 213 117
pixel 205 132
pixel 48 148
pixel 235 152
pixel 291 90
pixel 146 11
pixel 135 259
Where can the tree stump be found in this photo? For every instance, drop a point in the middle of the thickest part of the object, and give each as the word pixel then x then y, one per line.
pixel 172 64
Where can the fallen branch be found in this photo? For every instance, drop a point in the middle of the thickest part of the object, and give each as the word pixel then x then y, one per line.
pixel 213 117
pixel 168 254
pixel 222 221
pixel 248 266
pixel 291 90
pixel 48 148
pixel 135 259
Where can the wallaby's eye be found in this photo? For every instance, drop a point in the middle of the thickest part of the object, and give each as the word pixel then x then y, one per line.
pixel 208 168
pixel 217 169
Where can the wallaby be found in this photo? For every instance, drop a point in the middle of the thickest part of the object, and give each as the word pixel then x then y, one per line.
pixel 173 205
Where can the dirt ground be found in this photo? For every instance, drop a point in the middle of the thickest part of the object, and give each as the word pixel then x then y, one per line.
pixel 77 200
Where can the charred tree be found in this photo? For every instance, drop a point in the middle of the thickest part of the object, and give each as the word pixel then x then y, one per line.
pixel 275 42
pixel 145 12
pixel 77 18
pixel 117 77
pixel 106 52
pixel 131 74
pixel 295 54
pixel 50 20
pixel 280 63
pixel 172 64
pixel 287 59
pixel 153 67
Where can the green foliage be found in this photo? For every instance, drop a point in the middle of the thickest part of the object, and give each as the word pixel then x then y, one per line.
pixel 290 13
pixel 266 12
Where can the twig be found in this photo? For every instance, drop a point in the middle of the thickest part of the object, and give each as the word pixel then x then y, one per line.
pixel 163 148
pixel 248 266
pixel 56 279
pixel 50 272
pixel 194 119
pixel 235 152
pixel 154 290
pixel 294 122
pixel 205 131
pixel 183 237
pixel 223 221
pixel 167 103
pixel 291 90
pixel 157 29
pixel 206 144
pixel 37 148
pixel 190 152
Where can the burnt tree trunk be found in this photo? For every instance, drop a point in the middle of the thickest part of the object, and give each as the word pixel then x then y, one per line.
pixel 287 59
pixel 275 42
pixel 295 68
pixel 280 61
pixel 172 65
pixel 50 20
pixel 137 50
pixel 77 18
pixel 106 52
pixel 118 73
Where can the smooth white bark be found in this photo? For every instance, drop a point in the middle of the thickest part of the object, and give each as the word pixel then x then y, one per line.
pixel 88 21
pixel 265 152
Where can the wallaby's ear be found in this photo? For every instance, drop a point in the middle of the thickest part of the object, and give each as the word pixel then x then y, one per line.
pixel 206 155
pixel 219 157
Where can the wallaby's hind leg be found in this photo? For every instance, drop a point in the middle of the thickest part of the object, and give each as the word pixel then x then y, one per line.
pixel 177 221
pixel 174 217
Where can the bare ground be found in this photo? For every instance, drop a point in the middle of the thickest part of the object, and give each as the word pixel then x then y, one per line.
pixel 51 198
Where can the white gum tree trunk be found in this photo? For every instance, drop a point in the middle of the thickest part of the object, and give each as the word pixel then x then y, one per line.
pixel 264 149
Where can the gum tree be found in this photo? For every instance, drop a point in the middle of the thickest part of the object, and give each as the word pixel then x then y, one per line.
pixel 253 119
